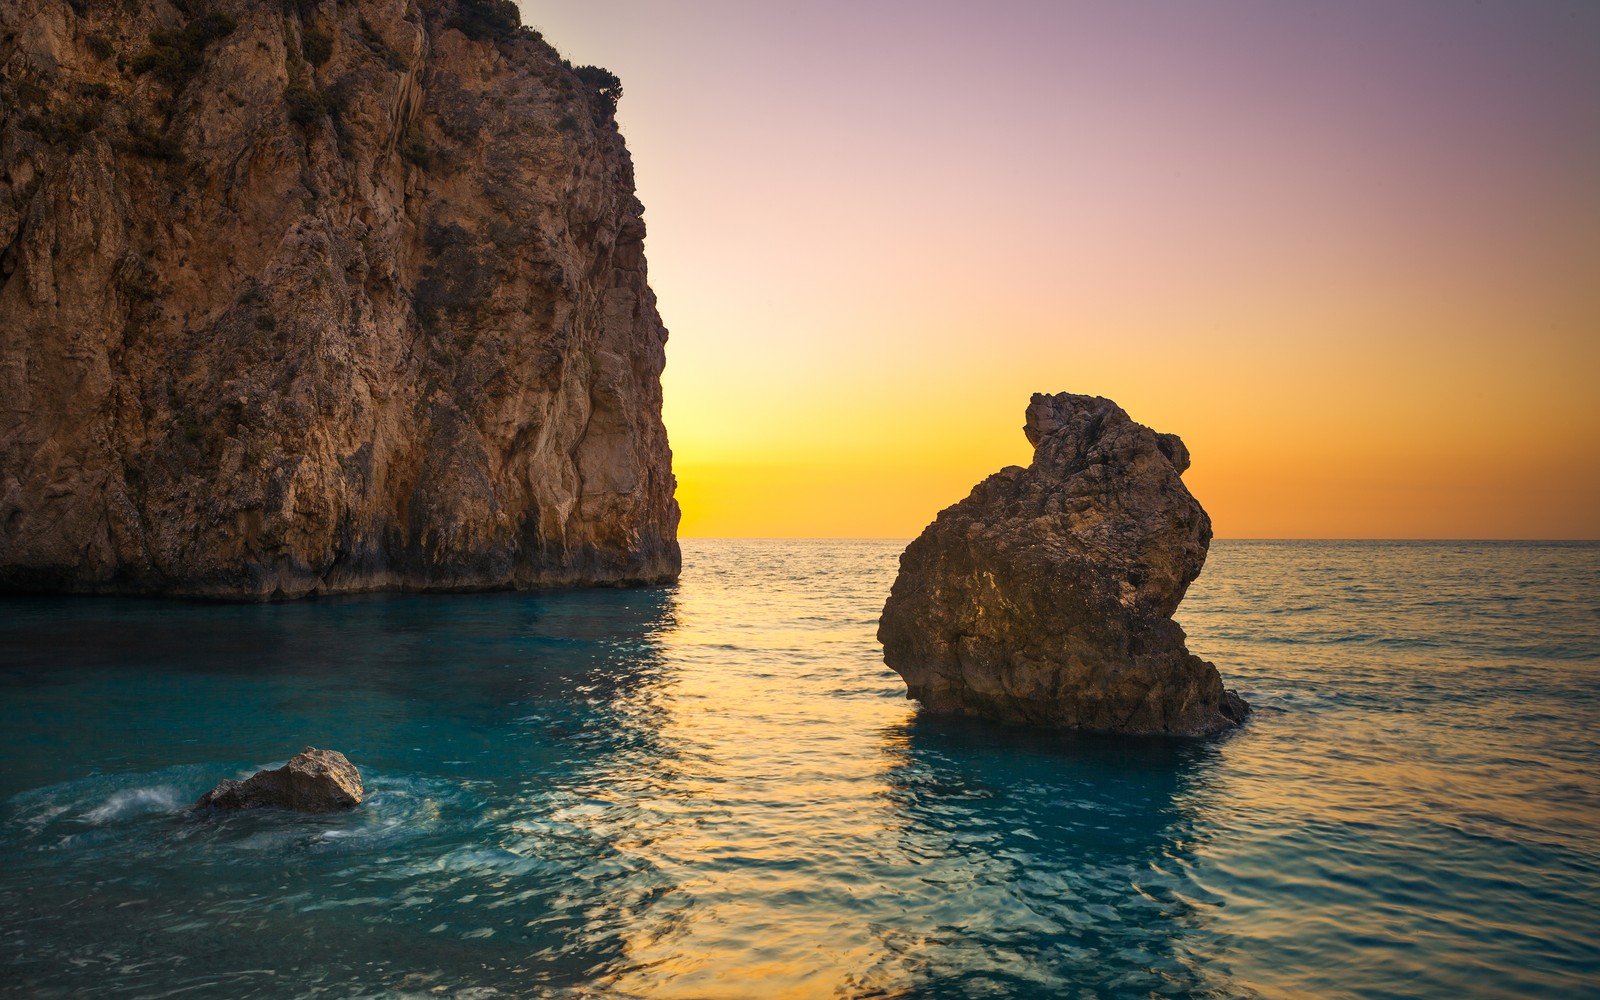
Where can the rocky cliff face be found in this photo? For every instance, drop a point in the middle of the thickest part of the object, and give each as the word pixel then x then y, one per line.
pixel 303 297
pixel 1046 596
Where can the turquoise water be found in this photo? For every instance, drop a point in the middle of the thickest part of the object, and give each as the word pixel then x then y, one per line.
pixel 717 790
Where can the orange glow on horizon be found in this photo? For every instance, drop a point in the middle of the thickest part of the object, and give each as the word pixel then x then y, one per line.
pixel 1349 252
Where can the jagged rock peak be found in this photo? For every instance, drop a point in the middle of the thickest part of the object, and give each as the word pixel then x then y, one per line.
pixel 1046 596
pixel 302 297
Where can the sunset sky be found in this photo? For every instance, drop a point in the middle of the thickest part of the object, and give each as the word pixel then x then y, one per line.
pixel 1349 251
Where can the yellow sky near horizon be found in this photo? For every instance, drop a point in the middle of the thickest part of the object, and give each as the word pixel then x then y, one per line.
pixel 1349 252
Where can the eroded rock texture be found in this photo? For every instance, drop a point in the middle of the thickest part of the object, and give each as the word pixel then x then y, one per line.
pixel 303 296
pixel 1046 596
pixel 312 781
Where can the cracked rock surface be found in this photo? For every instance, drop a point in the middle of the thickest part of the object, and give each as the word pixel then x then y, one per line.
pixel 1046 596
pixel 308 297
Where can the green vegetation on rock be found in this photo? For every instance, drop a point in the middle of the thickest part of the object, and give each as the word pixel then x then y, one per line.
pixel 604 83
pixel 487 19
pixel 176 56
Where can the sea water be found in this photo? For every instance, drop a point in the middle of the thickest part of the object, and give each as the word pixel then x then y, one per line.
pixel 718 790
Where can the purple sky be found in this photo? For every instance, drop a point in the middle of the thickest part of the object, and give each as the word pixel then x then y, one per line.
pixel 1337 246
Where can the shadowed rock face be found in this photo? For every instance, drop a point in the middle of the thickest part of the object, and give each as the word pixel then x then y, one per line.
pixel 1046 596
pixel 314 297
pixel 313 781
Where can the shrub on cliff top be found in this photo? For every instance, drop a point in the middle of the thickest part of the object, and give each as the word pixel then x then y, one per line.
pixel 487 19
pixel 603 82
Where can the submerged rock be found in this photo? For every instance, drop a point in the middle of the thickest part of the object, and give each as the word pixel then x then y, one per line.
pixel 313 781
pixel 313 298
pixel 1046 596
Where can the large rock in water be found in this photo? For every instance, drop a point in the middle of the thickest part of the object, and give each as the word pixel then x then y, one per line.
pixel 1046 596
pixel 313 781
pixel 304 297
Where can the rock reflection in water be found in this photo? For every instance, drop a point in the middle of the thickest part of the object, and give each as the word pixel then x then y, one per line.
pixel 1034 863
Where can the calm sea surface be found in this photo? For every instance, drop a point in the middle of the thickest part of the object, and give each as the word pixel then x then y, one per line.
pixel 718 790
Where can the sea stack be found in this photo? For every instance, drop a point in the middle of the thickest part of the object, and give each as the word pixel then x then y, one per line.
pixel 309 297
pixel 1046 596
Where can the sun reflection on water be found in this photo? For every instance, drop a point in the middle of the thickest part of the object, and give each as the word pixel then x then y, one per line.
pixel 822 840
pixel 762 826
pixel 720 791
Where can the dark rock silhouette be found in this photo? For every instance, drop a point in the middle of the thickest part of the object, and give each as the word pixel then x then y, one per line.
pixel 313 781
pixel 1046 596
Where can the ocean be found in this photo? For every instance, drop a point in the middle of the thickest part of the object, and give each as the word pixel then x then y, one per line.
pixel 718 790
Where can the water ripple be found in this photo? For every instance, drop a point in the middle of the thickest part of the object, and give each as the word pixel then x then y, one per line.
pixel 719 791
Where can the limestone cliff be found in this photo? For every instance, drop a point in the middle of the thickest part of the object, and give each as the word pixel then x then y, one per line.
pixel 302 297
pixel 1046 596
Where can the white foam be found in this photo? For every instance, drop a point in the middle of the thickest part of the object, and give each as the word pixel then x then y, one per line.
pixel 134 802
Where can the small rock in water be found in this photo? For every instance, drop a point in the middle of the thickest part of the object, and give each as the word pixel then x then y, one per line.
pixel 1047 595
pixel 313 781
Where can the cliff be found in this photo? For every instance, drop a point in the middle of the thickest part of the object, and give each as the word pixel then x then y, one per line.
pixel 307 297
pixel 1046 596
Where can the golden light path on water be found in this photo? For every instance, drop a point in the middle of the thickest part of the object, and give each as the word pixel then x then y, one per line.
pixel 762 820
pixel 826 847
pixel 717 790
